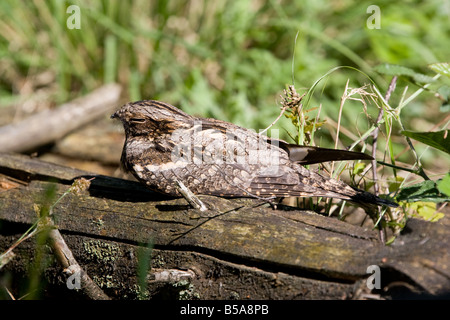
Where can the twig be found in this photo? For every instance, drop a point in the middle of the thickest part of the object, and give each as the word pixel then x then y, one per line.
pixel 50 125
pixel 67 260
pixel 398 167
pixel 195 202
pixel 10 294
pixel 171 275
pixel 8 255
pixel 60 248
pixel 283 109
pixel 64 254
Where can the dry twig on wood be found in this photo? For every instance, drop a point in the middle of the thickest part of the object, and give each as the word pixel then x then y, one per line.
pixel 50 125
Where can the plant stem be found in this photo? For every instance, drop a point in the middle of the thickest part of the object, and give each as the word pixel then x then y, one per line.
pixel 391 89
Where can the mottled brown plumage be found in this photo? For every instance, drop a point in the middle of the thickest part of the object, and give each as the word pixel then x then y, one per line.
pixel 164 145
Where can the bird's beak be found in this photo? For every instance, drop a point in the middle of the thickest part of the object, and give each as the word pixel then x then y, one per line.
pixel 115 115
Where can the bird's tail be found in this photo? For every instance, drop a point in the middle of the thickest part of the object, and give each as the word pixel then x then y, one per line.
pixel 332 188
pixel 369 198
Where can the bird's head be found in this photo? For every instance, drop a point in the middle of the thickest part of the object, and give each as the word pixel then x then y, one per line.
pixel 151 118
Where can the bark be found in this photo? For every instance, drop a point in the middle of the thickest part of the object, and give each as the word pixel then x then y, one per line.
pixel 50 125
pixel 239 248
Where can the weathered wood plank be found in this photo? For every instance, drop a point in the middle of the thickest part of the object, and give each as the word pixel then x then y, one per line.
pixel 30 133
pixel 230 228
pixel 239 232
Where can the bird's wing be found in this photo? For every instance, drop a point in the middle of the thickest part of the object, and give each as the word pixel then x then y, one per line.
pixel 297 153
pixel 235 180
pixel 296 181
pixel 309 155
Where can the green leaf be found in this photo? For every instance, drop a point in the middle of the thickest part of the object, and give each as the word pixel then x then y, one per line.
pixel 441 67
pixel 444 185
pixel 444 91
pixel 359 168
pixel 426 211
pixel 395 185
pixel 425 191
pixel 438 139
pixel 396 70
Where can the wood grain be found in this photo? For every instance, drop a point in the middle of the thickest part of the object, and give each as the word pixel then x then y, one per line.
pixel 283 254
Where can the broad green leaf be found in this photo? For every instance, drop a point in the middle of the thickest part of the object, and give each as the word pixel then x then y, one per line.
pixel 445 108
pixel 425 191
pixel 395 185
pixel 396 70
pixel 441 67
pixel 359 168
pixel 439 139
pixel 444 91
pixel 426 211
pixel 444 185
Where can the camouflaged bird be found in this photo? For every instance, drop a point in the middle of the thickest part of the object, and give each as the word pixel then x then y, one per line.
pixel 164 145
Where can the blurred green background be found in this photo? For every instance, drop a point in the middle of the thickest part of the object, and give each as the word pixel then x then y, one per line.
pixel 225 59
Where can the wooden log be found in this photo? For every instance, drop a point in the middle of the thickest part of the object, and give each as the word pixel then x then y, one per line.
pixel 239 248
pixel 50 125
pixel 101 141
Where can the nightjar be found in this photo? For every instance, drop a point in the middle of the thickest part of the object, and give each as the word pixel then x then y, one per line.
pixel 213 157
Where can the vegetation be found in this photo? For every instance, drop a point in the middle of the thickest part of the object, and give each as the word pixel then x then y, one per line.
pixel 231 60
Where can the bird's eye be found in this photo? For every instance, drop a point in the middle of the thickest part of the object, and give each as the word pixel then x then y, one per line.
pixel 137 120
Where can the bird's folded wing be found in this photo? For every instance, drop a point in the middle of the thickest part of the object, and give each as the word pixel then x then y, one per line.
pixel 309 155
